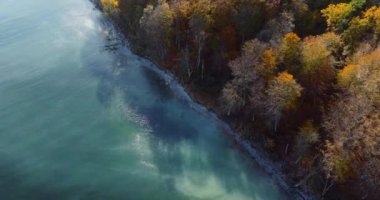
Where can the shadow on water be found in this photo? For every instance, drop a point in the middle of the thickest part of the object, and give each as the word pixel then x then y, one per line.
pixel 173 123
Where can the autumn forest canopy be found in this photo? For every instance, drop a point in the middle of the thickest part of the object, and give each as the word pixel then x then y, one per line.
pixel 300 77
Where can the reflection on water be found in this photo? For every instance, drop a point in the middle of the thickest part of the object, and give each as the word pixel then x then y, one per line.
pixel 81 117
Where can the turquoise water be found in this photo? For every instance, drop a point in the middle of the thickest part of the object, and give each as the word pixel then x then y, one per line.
pixel 80 120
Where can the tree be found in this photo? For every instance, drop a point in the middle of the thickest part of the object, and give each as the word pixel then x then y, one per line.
pixel 181 11
pixel 289 51
pixel 362 77
pixel 341 121
pixel 272 6
pixel 267 68
pixel 371 141
pixel 306 137
pixel 275 29
pixel 308 20
pixel 353 124
pixel 131 11
pixel 200 22
pixel 314 54
pixel 157 25
pixel 358 4
pixel 110 7
pixel 317 72
pixel 246 77
pixel 333 43
pixel 336 162
pixel 354 33
pixel 245 68
pixel 185 62
pixel 225 43
pixel 229 44
pixel 360 26
pixel 372 15
pixel 223 13
pixel 337 15
pixel 249 18
pixel 282 93
pixel 346 76
pixel 231 100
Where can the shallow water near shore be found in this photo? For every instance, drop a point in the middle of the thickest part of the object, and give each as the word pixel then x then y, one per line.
pixel 81 117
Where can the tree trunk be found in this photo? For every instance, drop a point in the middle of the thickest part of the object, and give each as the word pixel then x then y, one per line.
pixel 203 69
pixel 199 54
pixel 275 125
pixel 200 40
pixel 178 35
pixel 326 188
pixel 286 149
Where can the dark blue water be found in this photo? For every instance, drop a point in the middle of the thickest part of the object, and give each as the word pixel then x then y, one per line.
pixel 81 120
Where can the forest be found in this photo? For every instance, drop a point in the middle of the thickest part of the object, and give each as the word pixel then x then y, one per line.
pixel 299 77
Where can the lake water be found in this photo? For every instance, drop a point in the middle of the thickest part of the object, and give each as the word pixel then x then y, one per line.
pixel 80 119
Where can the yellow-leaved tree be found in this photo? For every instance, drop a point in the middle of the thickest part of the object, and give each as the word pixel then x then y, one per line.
pixel 337 15
pixel 362 77
pixel 110 7
pixel 353 123
pixel 289 51
pixel 282 94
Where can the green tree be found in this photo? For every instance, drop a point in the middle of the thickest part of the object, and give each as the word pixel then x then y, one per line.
pixel 358 4
pixel 361 27
pixel 337 15
pixel 355 32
